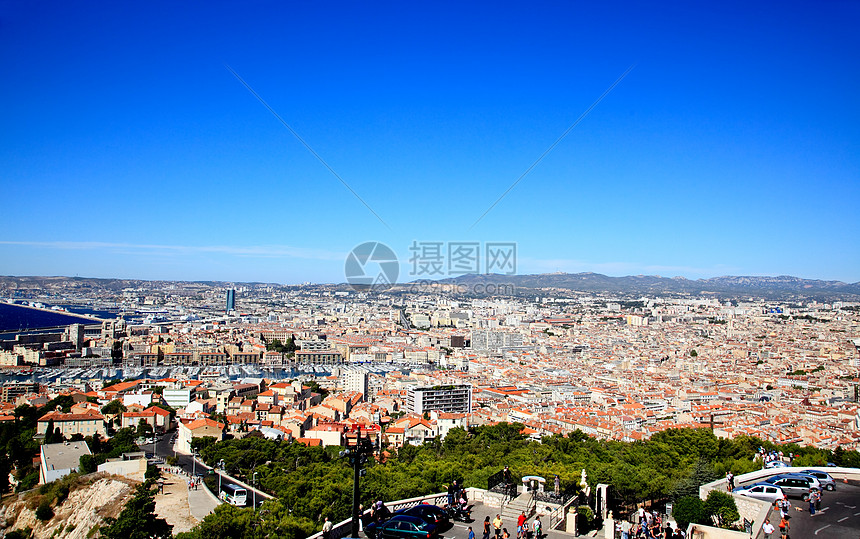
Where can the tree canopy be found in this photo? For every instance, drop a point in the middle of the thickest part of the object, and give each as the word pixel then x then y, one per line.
pixel 137 519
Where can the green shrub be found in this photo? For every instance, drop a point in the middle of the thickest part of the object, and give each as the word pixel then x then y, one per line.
pixel 44 511
pixel 721 506
pixel 687 510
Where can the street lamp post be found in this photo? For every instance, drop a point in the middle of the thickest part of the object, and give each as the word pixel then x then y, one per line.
pixel 193 463
pixel 254 483
pixel 218 471
pixel 358 455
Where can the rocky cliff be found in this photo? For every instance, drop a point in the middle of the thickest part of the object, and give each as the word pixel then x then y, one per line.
pixel 89 502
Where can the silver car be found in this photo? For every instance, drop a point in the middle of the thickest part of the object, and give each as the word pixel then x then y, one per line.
pixel 792 486
pixel 826 480
pixel 813 481
pixel 760 491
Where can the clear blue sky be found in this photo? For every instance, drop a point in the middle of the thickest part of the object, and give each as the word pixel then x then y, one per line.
pixel 129 150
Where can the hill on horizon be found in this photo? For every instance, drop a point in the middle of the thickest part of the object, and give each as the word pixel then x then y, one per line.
pixel 781 287
pixel 767 287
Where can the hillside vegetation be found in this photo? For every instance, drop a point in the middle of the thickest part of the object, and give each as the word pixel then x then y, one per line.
pixel 312 483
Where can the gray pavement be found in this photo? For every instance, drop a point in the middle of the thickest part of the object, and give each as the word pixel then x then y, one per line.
pixel 839 517
pixel 202 502
pixel 460 530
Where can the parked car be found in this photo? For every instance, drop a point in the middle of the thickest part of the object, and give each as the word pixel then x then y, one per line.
pixel 814 482
pixel 430 513
pixel 761 491
pixel 827 482
pixel 792 486
pixel 775 464
pixel 405 527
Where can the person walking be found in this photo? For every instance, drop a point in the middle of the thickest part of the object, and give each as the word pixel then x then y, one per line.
pixel 520 521
pixel 767 528
pixel 486 527
pixel 784 507
pixel 497 525
pixel 537 528
pixel 326 529
pixel 644 531
pixel 471 534
pixel 505 534
pixel 811 500
pixel 784 526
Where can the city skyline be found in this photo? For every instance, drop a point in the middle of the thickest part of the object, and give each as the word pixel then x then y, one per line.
pixel 136 150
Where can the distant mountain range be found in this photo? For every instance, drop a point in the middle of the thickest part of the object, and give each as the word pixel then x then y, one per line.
pixel 782 287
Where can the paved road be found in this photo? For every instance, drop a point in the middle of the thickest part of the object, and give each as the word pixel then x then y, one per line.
pixel 164 448
pixel 460 530
pixel 839 517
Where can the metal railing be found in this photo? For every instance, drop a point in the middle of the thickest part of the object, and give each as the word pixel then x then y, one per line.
pixel 344 527
pixel 496 483
pixel 548 496
pixel 558 515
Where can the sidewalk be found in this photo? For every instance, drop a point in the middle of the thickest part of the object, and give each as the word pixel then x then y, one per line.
pixel 172 504
pixel 202 502
pixel 460 530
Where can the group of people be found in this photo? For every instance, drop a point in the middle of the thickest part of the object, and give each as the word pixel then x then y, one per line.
pixel 457 496
pixel 649 525
pixel 193 483
pixel 524 529
pixel 768 456
pixel 378 513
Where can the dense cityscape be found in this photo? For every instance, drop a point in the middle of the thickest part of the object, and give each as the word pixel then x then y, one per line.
pixel 611 366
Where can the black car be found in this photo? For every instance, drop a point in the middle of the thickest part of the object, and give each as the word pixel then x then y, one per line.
pixel 403 527
pixel 429 513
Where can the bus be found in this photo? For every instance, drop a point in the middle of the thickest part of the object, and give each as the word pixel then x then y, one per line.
pixel 234 495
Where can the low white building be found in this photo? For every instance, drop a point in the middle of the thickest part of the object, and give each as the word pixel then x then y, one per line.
pixel 59 460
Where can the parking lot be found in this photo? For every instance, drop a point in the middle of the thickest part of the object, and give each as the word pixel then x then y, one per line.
pixel 839 516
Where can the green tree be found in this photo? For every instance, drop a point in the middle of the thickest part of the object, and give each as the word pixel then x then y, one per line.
pixel 5 468
pixel 226 522
pixel 200 444
pixel 87 464
pixel 144 429
pixel 688 510
pixel 721 507
pixel 49 432
pixel 44 511
pixel 152 472
pixel 701 472
pixel 137 519
pixel 114 407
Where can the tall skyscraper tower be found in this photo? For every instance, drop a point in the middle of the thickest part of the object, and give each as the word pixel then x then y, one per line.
pixel 231 300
